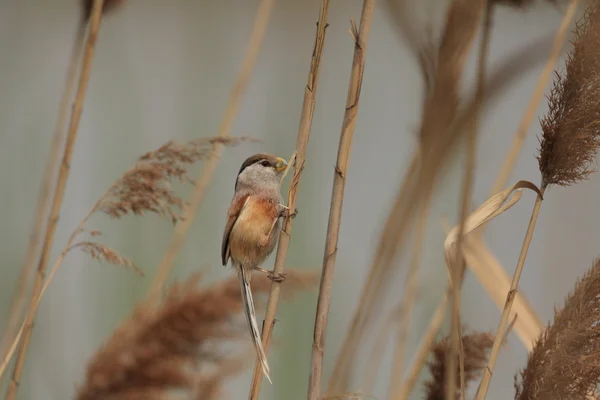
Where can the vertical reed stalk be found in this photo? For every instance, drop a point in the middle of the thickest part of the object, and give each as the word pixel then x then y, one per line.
pixel 86 66
pixel 457 273
pixel 261 22
pixel 407 304
pixel 423 350
pixel 510 298
pixel 308 108
pixel 43 201
pixel 361 37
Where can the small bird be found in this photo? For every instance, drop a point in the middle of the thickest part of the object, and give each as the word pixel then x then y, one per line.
pixel 252 229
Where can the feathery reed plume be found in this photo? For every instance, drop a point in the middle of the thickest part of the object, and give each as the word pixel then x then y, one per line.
pixel 304 130
pixel 61 180
pixel 360 36
pixel 146 187
pixel 476 347
pixel 565 362
pixel 571 129
pixel 163 348
pixel 108 6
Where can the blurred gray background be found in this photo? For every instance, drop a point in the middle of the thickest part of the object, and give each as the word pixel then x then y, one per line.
pixel 163 70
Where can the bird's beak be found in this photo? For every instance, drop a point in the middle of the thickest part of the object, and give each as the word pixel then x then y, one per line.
pixel 281 165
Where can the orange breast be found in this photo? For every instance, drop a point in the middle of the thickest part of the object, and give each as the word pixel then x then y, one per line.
pixel 251 226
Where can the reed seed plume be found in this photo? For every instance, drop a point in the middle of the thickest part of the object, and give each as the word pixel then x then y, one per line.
pixel 107 7
pixel 565 362
pixel 147 186
pixel 162 349
pixel 571 129
pixel 476 347
pixel 101 252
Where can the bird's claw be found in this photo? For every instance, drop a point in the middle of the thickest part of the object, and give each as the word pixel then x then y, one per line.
pixel 276 278
pixel 285 212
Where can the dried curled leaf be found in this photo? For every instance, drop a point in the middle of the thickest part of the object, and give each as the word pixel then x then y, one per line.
pixel 571 129
pixel 101 252
pixel 490 209
pixel 476 347
pixel 565 363
pixel 147 186
pixel 166 348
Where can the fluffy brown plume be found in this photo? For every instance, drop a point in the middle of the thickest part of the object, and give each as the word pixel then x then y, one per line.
pixel 565 363
pixel 571 129
pixel 476 347
pixel 146 188
pixel 163 351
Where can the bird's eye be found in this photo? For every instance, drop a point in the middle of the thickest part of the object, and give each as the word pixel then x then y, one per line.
pixel 264 163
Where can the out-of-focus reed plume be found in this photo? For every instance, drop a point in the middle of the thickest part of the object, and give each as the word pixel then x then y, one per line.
pixel 565 362
pixel 571 129
pixel 163 349
pixel 475 346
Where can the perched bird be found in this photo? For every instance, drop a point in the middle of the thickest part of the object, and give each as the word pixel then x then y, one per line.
pixel 252 229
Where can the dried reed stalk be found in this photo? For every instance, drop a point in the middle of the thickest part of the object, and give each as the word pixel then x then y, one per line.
pixel 510 298
pixel 107 7
pixel 360 36
pixel 263 15
pixel 457 271
pixel 496 282
pixel 163 348
pixel 424 349
pixel 61 183
pixel 43 201
pixel 308 108
pixel 565 363
pixel 440 112
pixel 475 346
pixel 146 187
pixel 406 305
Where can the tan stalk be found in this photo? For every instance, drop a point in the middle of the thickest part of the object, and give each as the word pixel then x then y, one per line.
pixel 308 109
pixel 43 201
pixel 86 66
pixel 407 304
pixel 261 22
pixel 361 38
pixel 457 272
pixel 427 341
pixel 378 351
pixel 510 298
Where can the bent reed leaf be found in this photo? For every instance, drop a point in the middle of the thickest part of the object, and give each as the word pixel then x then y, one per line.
pixel 490 209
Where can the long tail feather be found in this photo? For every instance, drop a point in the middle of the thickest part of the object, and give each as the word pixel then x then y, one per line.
pixel 251 317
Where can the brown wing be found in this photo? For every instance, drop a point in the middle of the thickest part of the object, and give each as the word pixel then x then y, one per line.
pixel 236 207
